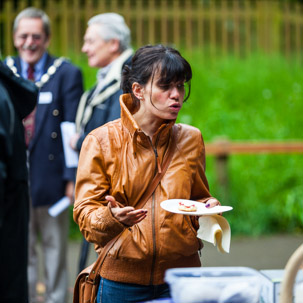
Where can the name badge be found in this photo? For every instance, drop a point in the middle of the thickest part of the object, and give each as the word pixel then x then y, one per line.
pixel 45 97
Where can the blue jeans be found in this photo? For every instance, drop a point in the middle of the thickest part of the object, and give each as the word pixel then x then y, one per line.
pixel 117 292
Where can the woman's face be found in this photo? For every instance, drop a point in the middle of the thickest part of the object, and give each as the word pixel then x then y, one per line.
pixel 163 101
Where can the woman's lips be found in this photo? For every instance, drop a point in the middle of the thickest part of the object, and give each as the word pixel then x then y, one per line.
pixel 175 107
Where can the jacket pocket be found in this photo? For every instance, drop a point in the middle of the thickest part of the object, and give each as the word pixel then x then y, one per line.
pixel 131 244
pixel 178 237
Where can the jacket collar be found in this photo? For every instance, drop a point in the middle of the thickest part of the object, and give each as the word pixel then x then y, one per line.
pixel 128 108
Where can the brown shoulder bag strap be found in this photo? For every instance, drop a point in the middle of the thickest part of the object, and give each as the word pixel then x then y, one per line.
pixel 149 191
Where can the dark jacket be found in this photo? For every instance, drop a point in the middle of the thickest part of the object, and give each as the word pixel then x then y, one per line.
pixel 118 159
pixel 18 98
pixel 108 108
pixel 48 172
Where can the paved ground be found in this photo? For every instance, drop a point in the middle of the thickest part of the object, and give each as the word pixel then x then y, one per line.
pixel 270 252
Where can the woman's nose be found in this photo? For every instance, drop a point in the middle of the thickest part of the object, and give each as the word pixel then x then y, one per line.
pixel 175 94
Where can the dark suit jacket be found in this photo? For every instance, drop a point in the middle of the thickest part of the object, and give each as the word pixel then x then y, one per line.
pixel 108 111
pixel 58 102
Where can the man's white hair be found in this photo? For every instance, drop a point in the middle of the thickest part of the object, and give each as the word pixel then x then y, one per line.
pixel 112 26
pixel 32 12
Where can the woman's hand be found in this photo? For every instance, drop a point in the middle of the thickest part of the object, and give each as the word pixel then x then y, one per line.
pixel 126 215
pixel 212 203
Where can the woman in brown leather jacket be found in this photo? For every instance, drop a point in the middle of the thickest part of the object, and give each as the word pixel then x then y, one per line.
pixel 117 163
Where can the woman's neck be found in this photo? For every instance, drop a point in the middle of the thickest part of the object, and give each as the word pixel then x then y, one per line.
pixel 149 125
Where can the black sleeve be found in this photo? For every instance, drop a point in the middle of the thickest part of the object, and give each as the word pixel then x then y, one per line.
pixel 6 143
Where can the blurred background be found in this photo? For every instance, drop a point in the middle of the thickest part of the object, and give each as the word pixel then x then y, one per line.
pixel 246 98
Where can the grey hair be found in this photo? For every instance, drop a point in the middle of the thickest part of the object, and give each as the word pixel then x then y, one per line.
pixel 112 26
pixel 32 12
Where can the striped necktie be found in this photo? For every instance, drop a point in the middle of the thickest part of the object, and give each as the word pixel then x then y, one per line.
pixel 29 121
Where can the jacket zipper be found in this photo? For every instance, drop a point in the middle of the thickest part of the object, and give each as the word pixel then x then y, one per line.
pixel 158 168
pixel 154 241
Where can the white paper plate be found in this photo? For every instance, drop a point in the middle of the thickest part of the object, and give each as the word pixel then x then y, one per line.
pixel 173 204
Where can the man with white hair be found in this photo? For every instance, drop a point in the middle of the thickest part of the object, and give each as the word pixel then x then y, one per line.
pixel 107 46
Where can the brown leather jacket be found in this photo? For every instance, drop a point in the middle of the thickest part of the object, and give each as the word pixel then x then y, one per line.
pixel 120 160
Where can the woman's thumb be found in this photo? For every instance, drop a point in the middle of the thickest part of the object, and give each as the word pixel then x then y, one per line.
pixel 112 201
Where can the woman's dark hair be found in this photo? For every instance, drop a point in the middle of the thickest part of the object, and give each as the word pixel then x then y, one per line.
pixel 148 60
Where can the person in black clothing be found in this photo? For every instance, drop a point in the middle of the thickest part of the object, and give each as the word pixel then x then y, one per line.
pixel 18 98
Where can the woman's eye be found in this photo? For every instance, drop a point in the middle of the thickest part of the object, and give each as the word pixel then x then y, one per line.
pixel 164 87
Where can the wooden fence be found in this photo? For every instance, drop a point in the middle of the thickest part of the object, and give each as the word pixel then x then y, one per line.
pixel 221 27
pixel 223 149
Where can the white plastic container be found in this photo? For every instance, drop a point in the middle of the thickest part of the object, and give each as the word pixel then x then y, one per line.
pixel 214 284
pixel 271 286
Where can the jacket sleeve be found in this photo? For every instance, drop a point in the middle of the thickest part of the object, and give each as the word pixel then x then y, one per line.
pixel 72 91
pixel 91 212
pixel 6 124
pixel 200 189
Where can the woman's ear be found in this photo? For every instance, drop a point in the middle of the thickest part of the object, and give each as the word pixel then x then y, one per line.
pixel 137 90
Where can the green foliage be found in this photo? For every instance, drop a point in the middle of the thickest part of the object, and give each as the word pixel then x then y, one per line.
pixel 253 99
pixel 89 73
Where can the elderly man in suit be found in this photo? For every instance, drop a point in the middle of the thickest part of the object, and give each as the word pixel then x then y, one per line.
pixel 61 87
pixel 107 46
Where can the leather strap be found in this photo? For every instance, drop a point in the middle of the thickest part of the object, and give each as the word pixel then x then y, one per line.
pixel 95 271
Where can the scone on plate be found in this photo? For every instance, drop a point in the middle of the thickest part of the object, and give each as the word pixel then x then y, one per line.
pixel 187 206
